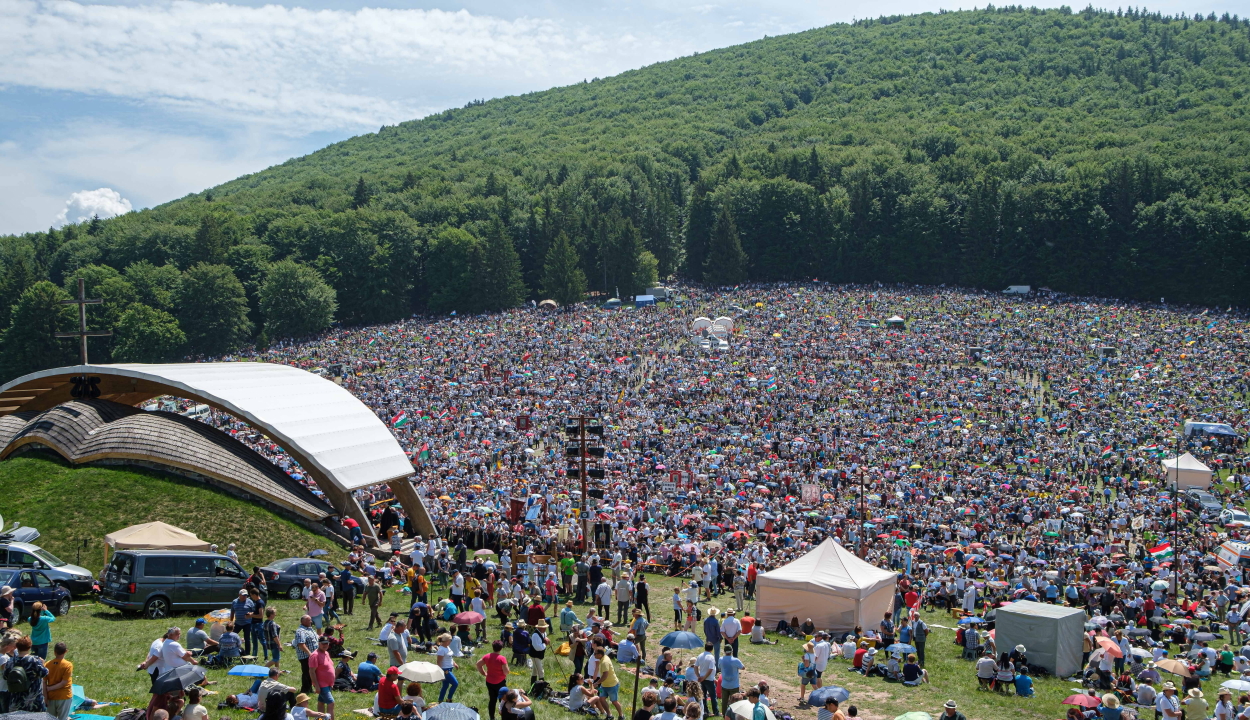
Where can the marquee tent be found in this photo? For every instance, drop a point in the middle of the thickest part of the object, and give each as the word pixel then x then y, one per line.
pixel 1192 472
pixel 830 585
pixel 1050 634
pixel 154 536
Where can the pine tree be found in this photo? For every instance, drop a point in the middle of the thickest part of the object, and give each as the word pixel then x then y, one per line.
pixel 29 343
pixel 410 181
pixel 502 286
pixel 360 198
pixel 210 243
pixel 726 262
pixel 699 220
pixel 563 279
pixel 493 187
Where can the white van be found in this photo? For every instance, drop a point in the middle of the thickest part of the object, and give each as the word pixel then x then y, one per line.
pixel 1234 554
pixel 198 412
pixel 1018 290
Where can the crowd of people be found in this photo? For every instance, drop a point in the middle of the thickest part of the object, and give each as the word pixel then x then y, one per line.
pixel 988 448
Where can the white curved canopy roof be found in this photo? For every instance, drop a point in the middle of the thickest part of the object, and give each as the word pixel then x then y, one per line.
pixel 331 433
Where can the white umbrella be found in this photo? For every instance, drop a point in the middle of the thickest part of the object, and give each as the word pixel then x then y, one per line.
pixel 1238 685
pixel 745 710
pixel 424 672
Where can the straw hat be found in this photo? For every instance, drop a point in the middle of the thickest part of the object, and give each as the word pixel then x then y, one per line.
pixel 1110 700
pixel 1169 685
pixel 1195 693
pixel 713 611
pixel 301 698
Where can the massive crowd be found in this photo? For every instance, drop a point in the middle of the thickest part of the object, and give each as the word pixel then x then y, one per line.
pixel 990 447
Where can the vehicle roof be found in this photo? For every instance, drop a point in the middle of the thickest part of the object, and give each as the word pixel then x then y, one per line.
pixel 299 559
pixel 19 545
pixel 185 553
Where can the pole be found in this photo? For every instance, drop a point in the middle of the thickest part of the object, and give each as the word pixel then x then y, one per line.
pixel 581 466
pixel 863 510
pixel 637 670
pixel 1176 516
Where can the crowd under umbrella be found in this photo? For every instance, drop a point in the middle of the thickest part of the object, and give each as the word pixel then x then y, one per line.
pixel 179 679
pixel 450 711
pixel 820 695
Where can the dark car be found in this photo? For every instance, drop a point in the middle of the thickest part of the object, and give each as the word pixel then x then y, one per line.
pixel 31 586
pixel 286 576
pixel 159 582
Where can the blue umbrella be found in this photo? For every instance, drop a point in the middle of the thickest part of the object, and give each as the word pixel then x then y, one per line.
pixel 451 711
pixel 249 671
pixel 681 640
pixel 819 695
pixel 970 620
pixel 900 648
pixel 315 553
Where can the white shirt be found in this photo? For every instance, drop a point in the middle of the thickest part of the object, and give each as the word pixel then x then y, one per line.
pixel 705 664
pixel 730 628
pixel 171 656
pixel 822 651
pixel 444 657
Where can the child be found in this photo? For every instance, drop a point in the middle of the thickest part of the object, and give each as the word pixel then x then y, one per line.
pixel 676 609
pixel 301 711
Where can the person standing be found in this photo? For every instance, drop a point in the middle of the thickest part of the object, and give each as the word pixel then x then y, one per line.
pixel 447 663
pixel 624 598
pixel 305 644
pixel 705 673
pixel 8 650
pixel 373 596
pixel 241 611
pixel 729 679
pixel 609 683
pixel 59 683
pixel 40 629
pixel 638 628
pixel 397 645
pixel 538 651
pixel 321 667
pixel 642 595
pixel 919 636
pixel 494 669
pixel 740 589
pixel 822 650
pixel 731 630
pixel 315 603
pixel 32 700
pixel 271 636
pixel 711 631
pixel 603 598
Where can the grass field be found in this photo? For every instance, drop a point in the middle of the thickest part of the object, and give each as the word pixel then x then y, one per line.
pixel 70 504
pixel 74 507
pixel 105 646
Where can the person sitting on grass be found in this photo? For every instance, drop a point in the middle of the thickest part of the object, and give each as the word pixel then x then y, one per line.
pixel 1024 683
pixel 913 674
pixel 580 695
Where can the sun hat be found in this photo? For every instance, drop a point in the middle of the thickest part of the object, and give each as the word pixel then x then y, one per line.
pixel 1195 693
pixel 1110 700
pixel 301 698
pixel 951 704
pixel 1019 648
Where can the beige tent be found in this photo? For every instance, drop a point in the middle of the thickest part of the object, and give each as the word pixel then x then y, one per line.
pixel 1192 472
pixel 829 585
pixel 154 536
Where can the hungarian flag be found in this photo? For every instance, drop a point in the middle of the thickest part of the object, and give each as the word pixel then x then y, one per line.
pixel 373 342
pixel 401 419
pixel 1161 552
pixel 1106 452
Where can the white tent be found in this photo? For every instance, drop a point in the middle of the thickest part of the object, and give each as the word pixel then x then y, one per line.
pixel 829 585
pixel 1191 470
pixel 1050 634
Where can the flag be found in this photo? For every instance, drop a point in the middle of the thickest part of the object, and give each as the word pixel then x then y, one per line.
pixel 425 452
pixel 373 342
pixel 1106 452
pixel 1161 552
pixel 401 419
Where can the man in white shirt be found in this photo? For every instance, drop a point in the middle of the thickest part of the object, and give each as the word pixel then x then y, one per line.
pixel 624 598
pixel 603 598
pixel 731 630
pixel 1166 704
pixel 822 651
pixel 705 672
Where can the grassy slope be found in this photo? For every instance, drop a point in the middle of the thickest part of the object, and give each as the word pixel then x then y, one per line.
pixel 104 645
pixel 71 504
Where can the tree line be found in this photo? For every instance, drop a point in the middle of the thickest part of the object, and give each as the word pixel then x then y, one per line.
pixel 1092 152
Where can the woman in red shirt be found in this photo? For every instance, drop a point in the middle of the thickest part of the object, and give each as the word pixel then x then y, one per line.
pixel 494 667
pixel 389 692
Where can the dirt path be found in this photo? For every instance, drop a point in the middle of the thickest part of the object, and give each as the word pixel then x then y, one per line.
pixel 785 697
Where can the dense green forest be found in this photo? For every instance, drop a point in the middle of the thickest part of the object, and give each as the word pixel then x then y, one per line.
pixel 1092 152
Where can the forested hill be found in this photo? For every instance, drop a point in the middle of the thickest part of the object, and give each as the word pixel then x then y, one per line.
pixel 1102 153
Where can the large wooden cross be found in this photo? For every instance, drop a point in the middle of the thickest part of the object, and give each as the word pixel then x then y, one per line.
pixel 83 333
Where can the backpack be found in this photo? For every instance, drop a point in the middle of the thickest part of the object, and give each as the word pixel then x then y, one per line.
pixel 15 676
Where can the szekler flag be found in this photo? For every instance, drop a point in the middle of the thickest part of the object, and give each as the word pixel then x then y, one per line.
pixel 1161 552
pixel 425 452
pixel 401 419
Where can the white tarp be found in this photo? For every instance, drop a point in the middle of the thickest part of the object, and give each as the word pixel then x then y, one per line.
pixel 831 586
pixel 1050 634
pixel 1191 470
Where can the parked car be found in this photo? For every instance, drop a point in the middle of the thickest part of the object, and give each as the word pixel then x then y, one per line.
pixel 286 576
pixel 159 582
pixel 1201 501
pixel 1235 517
pixel 31 586
pixel 25 555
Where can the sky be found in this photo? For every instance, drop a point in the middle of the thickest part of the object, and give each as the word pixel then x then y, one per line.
pixel 107 107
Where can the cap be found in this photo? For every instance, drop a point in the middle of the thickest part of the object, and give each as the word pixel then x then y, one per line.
pixel 392 671
pixel 242 592
pixel 198 621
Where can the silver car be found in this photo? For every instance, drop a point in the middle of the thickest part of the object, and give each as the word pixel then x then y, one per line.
pixel 25 555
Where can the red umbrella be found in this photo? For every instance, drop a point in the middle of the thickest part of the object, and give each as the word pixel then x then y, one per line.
pixel 1088 701
pixel 468 617
pixel 1111 647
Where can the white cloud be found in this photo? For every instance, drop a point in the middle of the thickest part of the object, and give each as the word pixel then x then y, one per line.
pixel 307 70
pixel 86 204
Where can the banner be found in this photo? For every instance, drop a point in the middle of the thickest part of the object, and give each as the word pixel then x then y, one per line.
pixel 1138 522
pixel 810 493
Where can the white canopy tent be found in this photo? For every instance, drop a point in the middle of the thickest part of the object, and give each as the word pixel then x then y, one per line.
pixel 829 585
pixel 1190 469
